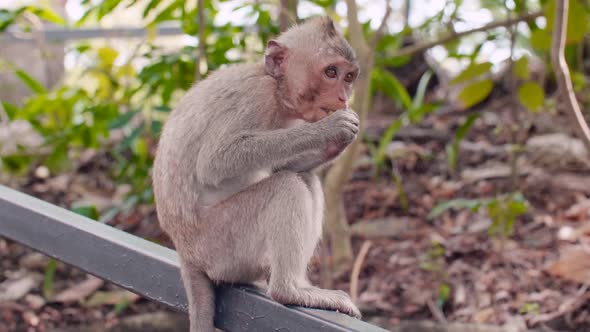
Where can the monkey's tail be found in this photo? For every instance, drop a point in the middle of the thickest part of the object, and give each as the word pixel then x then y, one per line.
pixel 201 300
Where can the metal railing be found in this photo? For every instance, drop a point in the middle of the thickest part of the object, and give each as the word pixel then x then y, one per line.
pixel 58 34
pixel 149 269
pixel 64 34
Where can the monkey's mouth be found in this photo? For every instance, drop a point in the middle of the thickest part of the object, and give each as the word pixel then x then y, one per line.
pixel 327 110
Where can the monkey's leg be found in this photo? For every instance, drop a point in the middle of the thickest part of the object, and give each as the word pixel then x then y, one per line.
pixel 317 199
pixel 293 287
pixel 274 224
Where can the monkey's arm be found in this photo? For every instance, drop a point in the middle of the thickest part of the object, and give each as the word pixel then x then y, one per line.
pixel 305 161
pixel 303 147
pixel 255 150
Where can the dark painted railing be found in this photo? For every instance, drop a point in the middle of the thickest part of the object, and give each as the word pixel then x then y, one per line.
pixel 149 269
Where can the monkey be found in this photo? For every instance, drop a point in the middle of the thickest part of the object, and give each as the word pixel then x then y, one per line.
pixel 234 175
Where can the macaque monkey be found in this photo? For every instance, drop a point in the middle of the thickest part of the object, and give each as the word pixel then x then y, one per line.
pixel 233 175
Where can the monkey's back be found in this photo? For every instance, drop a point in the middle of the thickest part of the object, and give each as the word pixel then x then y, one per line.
pixel 213 109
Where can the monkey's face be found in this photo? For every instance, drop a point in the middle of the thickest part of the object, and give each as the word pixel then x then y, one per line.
pixel 328 88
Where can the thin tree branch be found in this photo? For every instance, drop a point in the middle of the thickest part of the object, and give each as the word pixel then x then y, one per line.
pixel 202 56
pixel 379 32
pixel 407 9
pixel 288 13
pixel 356 270
pixel 562 73
pixel 410 50
pixel 355 29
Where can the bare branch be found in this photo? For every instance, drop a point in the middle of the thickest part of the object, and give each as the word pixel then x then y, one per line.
pixel 355 29
pixel 356 270
pixel 410 50
pixel 562 73
pixel 379 33
pixel 288 13
pixel 202 55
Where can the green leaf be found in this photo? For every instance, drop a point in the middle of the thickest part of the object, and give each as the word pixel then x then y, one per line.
pixel 140 148
pixel 472 71
pixel 394 62
pixel 387 83
pixel 58 160
pixel 49 15
pixel 415 115
pixel 577 21
pixel 29 81
pixel 105 7
pixel 324 3
pixel 453 149
pixel 85 210
pixel 464 128
pixel 107 56
pixel 122 120
pixel 475 92
pixel 129 140
pixel 421 90
pixel 531 96
pixel 149 7
pixel 7 17
pixel 444 292
pixel 460 203
pixel 49 278
pixel 11 109
pixel 17 164
pixel 167 13
pixel 163 108
pixel 156 127
pixel 521 68
pixel 541 39
pixel 121 306
pixel 530 308
pixel 393 128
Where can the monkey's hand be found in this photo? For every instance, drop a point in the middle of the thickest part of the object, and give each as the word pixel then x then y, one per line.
pixel 340 129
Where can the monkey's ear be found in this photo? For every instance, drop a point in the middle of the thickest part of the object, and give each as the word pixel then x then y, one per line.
pixel 329 27
pixel 275 58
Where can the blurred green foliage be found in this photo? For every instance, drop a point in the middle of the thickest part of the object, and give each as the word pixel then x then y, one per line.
pixel 503 210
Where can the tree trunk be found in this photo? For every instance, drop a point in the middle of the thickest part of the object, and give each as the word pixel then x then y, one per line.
pixel 288 14
pixel 337 228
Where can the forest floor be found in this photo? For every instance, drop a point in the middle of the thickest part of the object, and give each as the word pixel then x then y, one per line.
pixel 447 268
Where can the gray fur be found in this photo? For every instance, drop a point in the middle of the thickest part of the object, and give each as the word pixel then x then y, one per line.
pixel 235 189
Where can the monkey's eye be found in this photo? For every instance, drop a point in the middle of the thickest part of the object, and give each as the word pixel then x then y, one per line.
pixel 331 72
pixel 349 77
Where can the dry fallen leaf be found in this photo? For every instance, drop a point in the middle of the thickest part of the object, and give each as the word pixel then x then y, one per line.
pixel 484 315
pixel 573 264
pixel 80 291
pixel 14 289
pixel 110 298
pixel 30 318
pixel 579 211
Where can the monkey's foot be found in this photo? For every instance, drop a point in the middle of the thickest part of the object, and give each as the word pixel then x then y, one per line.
pixel 314 297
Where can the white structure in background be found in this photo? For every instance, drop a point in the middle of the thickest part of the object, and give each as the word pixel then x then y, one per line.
pixel 44 61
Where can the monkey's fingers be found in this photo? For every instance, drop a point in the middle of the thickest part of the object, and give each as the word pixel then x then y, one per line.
pixel 347 116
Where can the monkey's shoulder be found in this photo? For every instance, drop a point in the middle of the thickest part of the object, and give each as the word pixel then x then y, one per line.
pixel 234 86
pixel 243 76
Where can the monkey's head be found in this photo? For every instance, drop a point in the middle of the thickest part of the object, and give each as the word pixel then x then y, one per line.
pixel 315 68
